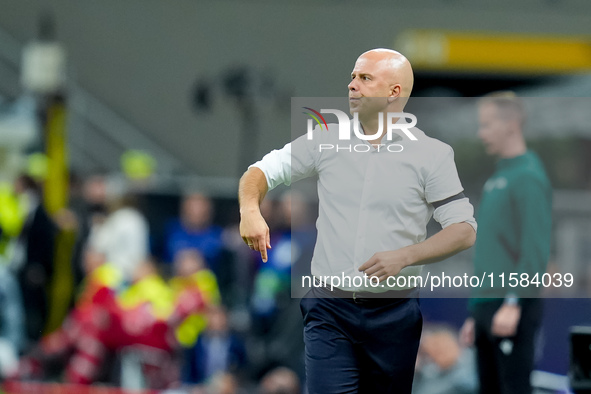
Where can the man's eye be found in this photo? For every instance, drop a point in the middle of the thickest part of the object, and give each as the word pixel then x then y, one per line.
pixel 366 78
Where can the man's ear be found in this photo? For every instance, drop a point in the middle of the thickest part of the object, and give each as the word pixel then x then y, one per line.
pixel 395 91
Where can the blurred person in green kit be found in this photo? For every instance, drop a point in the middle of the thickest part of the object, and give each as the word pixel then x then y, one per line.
pixel 514 238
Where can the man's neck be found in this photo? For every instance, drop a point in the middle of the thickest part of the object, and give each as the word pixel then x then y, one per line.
pixel 514 149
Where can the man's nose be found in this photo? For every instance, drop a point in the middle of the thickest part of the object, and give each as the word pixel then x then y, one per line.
pixel 353 85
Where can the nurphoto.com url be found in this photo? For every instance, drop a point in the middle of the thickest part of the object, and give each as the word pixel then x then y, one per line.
pixel 435 281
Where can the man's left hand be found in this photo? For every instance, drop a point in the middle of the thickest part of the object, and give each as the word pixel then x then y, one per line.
pixel 506 320
pixel 385 264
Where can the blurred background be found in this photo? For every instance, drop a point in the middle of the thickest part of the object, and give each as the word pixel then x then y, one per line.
pixel 125 126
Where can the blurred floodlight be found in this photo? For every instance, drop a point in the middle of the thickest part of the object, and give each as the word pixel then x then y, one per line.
pixel 43 67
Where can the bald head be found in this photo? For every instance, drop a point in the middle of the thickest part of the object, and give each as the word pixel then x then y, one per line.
pixel 395 67
pixel 381 81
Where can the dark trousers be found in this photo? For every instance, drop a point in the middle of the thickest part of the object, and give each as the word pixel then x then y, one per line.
pixel 362 347
pixel 505 364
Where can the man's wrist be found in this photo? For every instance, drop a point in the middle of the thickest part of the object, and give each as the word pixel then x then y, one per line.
pixel 410 255
pixel 250 209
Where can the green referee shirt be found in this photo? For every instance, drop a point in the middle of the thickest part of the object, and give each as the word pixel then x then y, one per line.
pixel 514 227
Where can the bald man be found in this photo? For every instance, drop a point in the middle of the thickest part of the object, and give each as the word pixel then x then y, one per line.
pixel 374 205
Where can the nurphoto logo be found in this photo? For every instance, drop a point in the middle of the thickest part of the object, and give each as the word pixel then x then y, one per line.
pixel 394 121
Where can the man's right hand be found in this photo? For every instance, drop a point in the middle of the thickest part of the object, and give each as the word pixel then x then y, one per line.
pixel 255 232
pixel 467 333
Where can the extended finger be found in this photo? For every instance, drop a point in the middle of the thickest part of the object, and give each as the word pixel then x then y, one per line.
pixel 381 275
pixel 368 264
pixel 377 274
pixel 261 246
pixel 373 270
pixel 264 254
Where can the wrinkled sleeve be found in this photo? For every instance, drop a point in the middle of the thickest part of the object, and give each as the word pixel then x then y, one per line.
pixel 442 183
pixel 295 161
pixel 457 211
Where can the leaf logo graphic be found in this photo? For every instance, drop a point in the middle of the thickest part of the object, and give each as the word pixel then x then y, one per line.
pixel 315 115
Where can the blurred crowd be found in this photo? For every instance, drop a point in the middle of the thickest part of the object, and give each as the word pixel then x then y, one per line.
pixel 93 294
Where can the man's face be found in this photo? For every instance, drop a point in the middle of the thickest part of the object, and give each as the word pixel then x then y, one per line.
pixel 370 85
pixel 493 129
